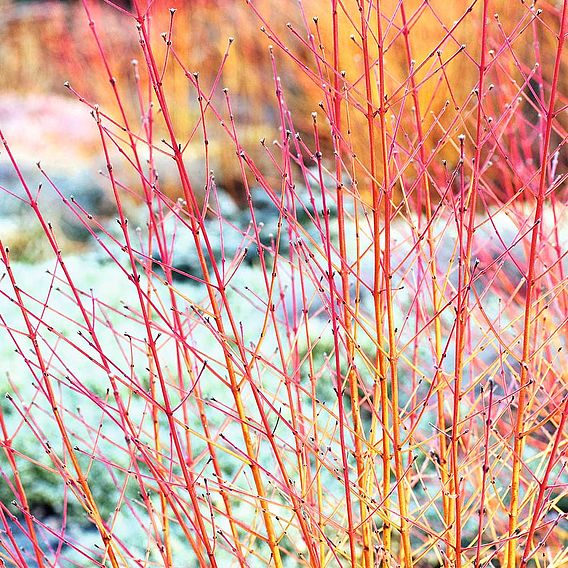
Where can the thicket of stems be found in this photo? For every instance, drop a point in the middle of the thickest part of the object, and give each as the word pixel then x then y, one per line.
pixel 377 378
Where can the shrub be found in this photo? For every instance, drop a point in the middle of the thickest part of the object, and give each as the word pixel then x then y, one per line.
pixel 356 360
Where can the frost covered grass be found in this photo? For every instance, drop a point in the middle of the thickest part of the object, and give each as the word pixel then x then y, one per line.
pixel 358 361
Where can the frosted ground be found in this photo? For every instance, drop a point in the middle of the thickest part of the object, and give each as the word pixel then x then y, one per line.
pixel 113 306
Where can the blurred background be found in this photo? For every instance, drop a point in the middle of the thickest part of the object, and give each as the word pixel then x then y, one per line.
pixel 45 44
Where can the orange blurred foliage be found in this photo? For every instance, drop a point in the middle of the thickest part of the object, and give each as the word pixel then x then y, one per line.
pixel 45 44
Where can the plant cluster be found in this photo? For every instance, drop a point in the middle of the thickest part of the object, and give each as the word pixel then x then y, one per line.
pixel 358 358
